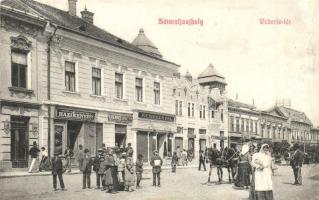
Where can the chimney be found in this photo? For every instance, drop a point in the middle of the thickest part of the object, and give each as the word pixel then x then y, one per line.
pixel 87 16
pixel 72 7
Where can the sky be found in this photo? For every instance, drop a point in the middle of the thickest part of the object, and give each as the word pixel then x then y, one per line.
pixel 261 62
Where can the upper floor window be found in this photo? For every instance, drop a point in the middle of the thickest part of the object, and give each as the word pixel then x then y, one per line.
pixel 232 123
pixel 70 76
pixel 242 125
pixel 176 107
pixel 119 85
pixel 222 115
pixel 157 93
pixel 212 114
pixel 19 65
pixel 189 109
pixel 255 127
pixel 237 124
pixel 202 112
pixel 139 89
pixel 193 109
pixel 247 125
pixel 96 81
pixel 180 108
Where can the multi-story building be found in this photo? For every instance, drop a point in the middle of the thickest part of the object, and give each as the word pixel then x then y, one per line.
pixel 201 110
pixel 314 136
pixel 274 127
pixel 67 82
pixel 244 123
pixel 296 125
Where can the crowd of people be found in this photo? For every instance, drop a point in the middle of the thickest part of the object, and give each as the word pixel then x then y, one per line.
pixel 114 167
pixel 253 168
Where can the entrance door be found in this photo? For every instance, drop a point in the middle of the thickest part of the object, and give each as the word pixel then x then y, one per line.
pixel 73 132
pixel 120 135
pixel 179 142
pixel 19 141
pixel 191 145
pixel 90 137
pixel 202 144
pixel 142 145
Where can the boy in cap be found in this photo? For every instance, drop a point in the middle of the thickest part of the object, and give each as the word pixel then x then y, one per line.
pixel 57 171
pixel 174 162
pixel 96 167
pixel 139 170
pixel 156 163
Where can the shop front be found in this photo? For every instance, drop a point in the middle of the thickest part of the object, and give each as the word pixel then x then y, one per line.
pixel 122 123
pixel 74 127
pixel 154 131
pixel 191 140
pixel 19 129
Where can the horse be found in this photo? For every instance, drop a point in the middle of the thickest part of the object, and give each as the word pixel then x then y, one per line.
pixel 227 158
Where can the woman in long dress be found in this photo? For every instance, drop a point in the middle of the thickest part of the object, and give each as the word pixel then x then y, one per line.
pixel 244 168
pixel 263 174
pixel 129 181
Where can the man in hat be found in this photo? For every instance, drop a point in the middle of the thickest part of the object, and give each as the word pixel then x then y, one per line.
pixel 296 164
pixel 156 163
pixel 96 167
pixel 34 151
pixel 57 171
pixel 129 150
pixel 86 167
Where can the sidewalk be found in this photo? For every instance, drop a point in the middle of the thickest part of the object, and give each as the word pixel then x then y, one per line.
pixel 13 174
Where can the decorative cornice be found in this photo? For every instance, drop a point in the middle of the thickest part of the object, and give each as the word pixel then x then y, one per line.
pixel 21 23
pixel 21 43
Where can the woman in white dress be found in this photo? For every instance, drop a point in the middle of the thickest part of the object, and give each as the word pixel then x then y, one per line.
pixel 263 174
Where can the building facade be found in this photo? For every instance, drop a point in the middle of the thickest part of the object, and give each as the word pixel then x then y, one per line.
pixel 244 123
pixel 68 82
pixel 201 111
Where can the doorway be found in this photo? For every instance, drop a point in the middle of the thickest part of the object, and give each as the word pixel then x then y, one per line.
pixel 73 131
pixel 202 144
pixel 19 141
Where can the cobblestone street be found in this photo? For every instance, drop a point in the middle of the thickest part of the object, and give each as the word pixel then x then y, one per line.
pixel 185 184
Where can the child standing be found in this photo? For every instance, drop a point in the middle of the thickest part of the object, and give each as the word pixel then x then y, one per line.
pixel 174 162
pixel 139 170
pixel 96 167
pixel 120 169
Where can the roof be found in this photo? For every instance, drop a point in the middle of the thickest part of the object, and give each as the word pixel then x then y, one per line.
pixel 210 71
pixel 294 115
pixel 210 74
pixel 76 24
pixel 144 43
pixel 237 104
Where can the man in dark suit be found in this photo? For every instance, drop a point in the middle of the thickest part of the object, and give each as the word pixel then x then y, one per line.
pixel 86 168
pixel 156 163
pixel 57 171
pixel 296 164
pixel 202 159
